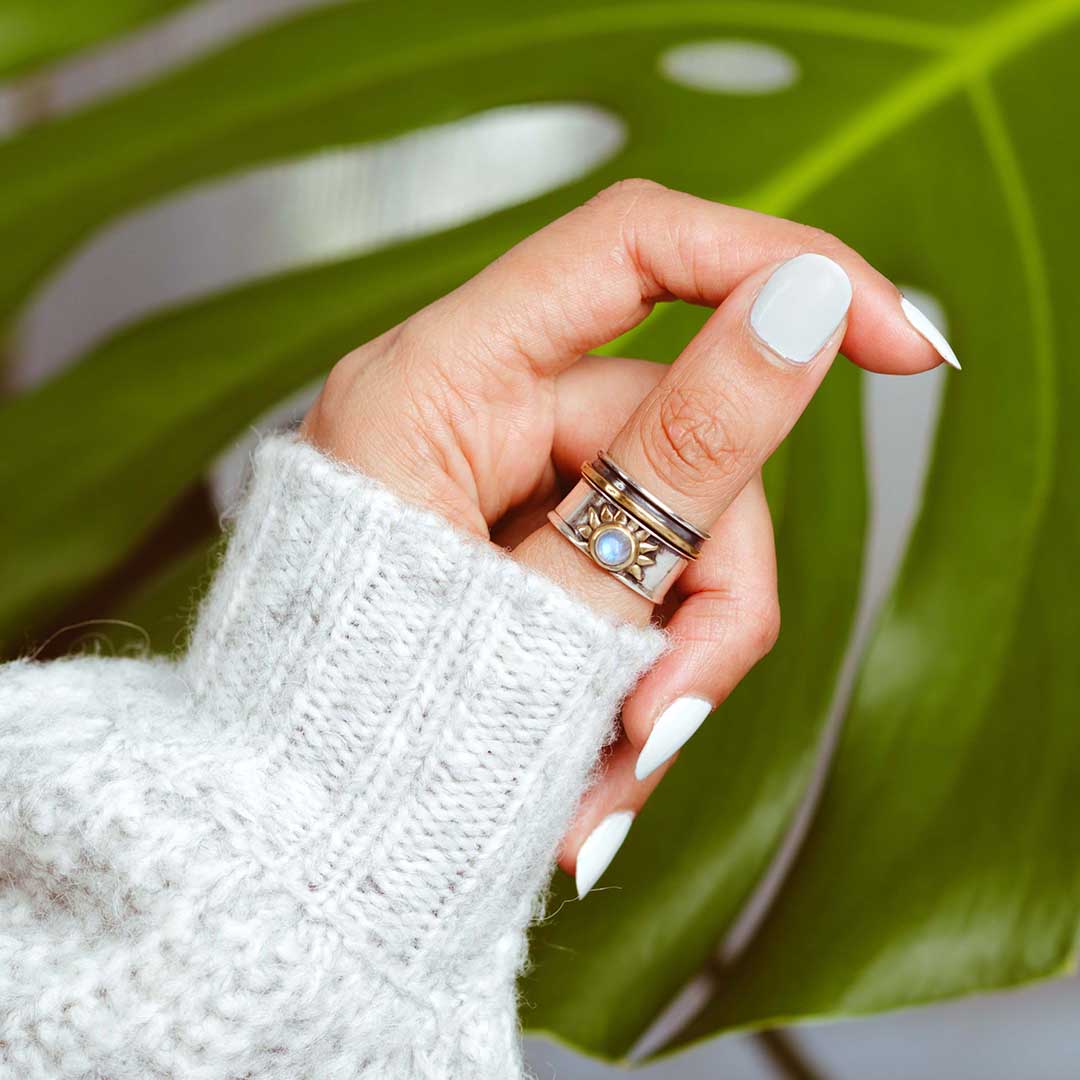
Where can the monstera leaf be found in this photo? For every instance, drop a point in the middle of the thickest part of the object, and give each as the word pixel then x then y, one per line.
pixel 939 142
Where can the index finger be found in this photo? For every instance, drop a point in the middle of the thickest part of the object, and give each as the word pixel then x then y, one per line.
pixel 707 427
pixel 598 271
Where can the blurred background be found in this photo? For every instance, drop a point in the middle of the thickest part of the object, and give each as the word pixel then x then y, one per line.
pixel 348 201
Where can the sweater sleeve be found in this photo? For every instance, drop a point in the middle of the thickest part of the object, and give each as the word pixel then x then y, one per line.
pixel 311 848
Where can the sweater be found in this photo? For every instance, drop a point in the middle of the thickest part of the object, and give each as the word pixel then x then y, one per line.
pixel 312 846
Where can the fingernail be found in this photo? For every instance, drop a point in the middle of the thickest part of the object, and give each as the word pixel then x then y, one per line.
pixel 929 331
pixel 672 729
pixel 801 306
pixel 600 847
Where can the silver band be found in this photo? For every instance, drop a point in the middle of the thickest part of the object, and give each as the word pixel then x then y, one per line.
pixel 626 530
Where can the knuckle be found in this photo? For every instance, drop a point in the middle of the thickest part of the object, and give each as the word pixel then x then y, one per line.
pixel 624 192
pixel 346 376
pixel 335 398
pixel 761 623
pixel 695 438
pixel 339 383
pixel 380 384
pixel 822 242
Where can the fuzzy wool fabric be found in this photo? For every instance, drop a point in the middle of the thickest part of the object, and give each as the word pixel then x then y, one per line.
pixel 311 847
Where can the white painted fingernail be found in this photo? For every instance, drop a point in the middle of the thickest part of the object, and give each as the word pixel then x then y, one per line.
pixel 672 729
pixel 801 306
pixel 600 847
pixel 929 331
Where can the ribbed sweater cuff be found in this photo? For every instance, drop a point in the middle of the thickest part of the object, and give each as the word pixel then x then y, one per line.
pixel 432 708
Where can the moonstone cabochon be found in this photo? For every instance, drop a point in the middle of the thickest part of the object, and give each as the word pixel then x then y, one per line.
pixel 613 546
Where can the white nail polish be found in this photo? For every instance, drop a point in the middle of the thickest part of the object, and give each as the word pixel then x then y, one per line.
pixel 672 729
pixel 929 331
pixel 800 307
pixel 600 847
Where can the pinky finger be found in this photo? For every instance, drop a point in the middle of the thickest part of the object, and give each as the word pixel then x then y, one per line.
pixel 726 623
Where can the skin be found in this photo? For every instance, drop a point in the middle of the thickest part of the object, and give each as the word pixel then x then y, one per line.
pixel 483 405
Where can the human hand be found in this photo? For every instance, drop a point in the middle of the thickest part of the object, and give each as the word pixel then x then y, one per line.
pixel 483 406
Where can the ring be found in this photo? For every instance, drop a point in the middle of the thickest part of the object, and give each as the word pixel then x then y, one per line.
pixel 626 530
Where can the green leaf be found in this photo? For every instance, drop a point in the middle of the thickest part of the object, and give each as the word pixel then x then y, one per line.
pixel 939 862
pixel 366 71
pixel 32 32
pixel 944 858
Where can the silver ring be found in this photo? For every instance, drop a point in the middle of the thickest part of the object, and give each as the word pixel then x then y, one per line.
pixel 627 530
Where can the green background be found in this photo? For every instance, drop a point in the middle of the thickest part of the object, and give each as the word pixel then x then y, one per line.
pixel 939 140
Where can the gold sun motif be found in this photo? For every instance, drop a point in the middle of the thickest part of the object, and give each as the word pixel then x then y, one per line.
pixel 633 549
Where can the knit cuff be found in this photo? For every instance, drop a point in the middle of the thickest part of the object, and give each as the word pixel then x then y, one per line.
pixel 429 708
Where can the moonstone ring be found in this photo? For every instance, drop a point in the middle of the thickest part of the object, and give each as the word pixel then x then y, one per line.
pixel 626 530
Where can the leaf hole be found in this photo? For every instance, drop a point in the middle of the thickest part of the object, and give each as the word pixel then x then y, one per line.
pixel 730 67
pixel 283 215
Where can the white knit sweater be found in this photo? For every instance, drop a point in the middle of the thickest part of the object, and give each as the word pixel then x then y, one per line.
pixel 310 848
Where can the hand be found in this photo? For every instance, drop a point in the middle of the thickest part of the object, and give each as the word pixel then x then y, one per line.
pixel 483 406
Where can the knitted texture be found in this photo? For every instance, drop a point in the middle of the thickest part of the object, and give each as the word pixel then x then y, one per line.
pixel 311 848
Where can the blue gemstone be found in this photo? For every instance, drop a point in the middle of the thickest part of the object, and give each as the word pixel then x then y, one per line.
pixel 612 547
